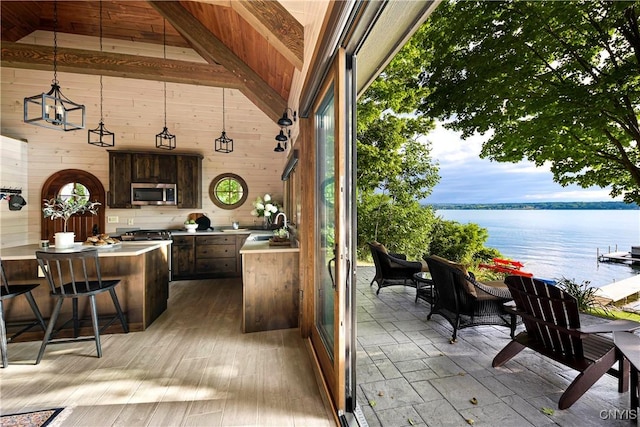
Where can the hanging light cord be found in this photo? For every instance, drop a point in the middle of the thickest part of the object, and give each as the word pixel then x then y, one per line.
pixel 164 46
pixel 55 43
pixel 223 126
pixel 101 116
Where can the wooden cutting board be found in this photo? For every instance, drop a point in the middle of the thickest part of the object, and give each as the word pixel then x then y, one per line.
pixel 194 216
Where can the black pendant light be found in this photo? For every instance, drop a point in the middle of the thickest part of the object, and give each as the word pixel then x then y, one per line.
pixel 285 120
pixel 282 138
pixel 164 139
pixel 224 144
pixel 100 136
pixel 53 110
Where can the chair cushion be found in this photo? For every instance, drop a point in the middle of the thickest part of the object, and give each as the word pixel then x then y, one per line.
pixel 380 246
pixel 466 284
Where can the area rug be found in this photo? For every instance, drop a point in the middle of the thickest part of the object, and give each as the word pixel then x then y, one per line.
pixel 46 417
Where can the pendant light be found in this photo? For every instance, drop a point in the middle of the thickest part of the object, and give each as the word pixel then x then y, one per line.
pixel 285 120
pixel 100 136
pixel 223 144
pixel 282 138
pixel 53 110
pixel 164 139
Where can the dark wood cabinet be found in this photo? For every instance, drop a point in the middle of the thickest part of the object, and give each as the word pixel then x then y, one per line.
pixel 208 256
pixel 183 257
pixel 119 180
pixel 156 168
pixel 189 181
pixel 184 169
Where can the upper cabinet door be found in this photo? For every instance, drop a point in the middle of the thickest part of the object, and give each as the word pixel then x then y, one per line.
pixel 154 168
pixel 119 180
pixel 189 181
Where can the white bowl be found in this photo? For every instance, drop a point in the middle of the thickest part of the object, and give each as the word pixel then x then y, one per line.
pixel 191 228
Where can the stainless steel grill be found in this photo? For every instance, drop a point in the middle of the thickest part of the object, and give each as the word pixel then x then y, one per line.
pixel 141 235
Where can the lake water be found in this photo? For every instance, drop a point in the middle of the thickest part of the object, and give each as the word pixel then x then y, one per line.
pixel 560 243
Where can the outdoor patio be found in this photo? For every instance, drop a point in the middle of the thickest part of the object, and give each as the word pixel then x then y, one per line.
pixel 409 374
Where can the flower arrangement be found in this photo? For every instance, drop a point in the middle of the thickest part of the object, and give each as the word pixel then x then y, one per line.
pixel 264 207
pixel 66 207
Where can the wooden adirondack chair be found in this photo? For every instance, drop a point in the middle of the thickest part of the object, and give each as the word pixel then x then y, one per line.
pixel 552 323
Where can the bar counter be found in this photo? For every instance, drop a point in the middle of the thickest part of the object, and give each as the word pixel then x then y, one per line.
pixel 271 285
pixel 142 267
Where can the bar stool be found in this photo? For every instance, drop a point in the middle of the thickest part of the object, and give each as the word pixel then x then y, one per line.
pixel 8 292
pixel 68 274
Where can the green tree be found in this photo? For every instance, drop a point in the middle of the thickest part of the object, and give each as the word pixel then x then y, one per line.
pixel 462 243
pixel 394 170
pixel 552 82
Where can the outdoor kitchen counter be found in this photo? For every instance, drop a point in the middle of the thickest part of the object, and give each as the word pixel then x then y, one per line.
pixel 270 285
pixel 143 270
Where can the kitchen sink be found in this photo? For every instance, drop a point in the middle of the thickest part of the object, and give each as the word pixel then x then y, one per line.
pixel 261 237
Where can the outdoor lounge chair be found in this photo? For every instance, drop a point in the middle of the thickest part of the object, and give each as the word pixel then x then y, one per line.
pixel 463 301
pixel 552 323
pixel 392 268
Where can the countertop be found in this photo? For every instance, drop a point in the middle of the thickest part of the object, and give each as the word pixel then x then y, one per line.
pixel 215 232
pixel 257 242
pixel 27 252
pixel 262 246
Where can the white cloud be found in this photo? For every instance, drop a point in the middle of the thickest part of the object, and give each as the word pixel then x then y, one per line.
pixel 466 178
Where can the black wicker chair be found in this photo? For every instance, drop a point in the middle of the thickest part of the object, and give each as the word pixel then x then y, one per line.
pixel 464 302
pixel 392 268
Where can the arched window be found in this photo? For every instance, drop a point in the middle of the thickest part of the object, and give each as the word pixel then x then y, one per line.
pixel 70 183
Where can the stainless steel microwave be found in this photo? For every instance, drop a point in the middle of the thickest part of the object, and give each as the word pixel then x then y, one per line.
pixel 153 194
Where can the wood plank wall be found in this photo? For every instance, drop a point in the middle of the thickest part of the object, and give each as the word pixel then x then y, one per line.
pixel 13 174
pixel 133 109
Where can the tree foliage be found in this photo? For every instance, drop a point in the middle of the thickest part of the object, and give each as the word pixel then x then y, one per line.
pixel 552 82
pixel 395 171
pixel 462 243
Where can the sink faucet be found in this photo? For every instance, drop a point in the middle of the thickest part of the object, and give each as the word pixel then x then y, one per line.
pixel 284 224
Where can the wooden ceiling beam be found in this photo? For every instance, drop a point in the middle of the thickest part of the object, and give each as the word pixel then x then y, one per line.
pixel 36 57
pixel 214 51
pixel 276 25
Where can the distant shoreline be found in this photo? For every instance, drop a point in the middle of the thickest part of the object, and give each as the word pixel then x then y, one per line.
pixel 536 206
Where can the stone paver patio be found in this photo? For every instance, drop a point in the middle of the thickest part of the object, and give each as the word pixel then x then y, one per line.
pixel 408 373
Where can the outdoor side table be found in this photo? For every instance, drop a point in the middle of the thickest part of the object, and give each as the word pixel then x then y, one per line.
pixel 629 346
pixel 424 286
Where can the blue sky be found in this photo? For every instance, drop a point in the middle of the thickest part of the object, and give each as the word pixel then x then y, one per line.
pixel 466 178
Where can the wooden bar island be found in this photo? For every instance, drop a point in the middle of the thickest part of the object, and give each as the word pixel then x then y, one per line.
pixel 143 270
pixel 271 286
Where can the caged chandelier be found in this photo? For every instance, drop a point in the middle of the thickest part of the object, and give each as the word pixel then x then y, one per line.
pixel 101 136
pixel 224 144
pixel 164 139
pixel 53 110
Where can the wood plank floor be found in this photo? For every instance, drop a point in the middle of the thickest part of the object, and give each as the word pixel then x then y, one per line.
pixel 192 367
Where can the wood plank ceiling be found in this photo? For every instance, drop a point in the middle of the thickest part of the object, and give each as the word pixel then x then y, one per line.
pixel 254 46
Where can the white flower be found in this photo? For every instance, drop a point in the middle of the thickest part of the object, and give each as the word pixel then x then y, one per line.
pixel 260 206
pixel 268 207
pixel 273 208
pixel 267 198
pixel 267 213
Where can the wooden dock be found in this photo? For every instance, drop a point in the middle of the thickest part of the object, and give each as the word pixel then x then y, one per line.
pixel 620 290
pixel 626 257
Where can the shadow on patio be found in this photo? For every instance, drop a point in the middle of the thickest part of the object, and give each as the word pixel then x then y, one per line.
pixel 409 375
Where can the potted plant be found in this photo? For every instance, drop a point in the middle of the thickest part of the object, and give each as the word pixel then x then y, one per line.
pixel 65 208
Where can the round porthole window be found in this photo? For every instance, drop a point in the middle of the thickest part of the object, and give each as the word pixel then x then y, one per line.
pixel 228 191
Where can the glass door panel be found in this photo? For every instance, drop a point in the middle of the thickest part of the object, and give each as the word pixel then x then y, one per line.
pixel 325 222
